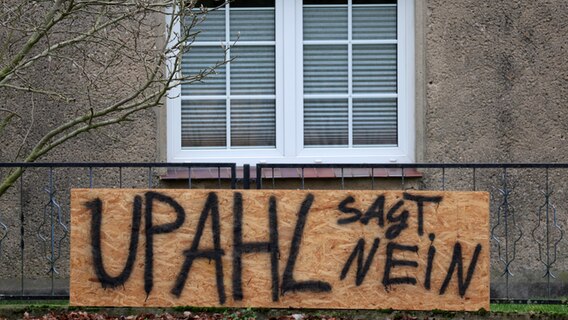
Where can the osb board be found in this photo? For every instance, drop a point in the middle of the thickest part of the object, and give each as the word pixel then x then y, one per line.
pixel 175 263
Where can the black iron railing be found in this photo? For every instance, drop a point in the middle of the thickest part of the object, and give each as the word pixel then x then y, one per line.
pixel 529 212
pixel 34 216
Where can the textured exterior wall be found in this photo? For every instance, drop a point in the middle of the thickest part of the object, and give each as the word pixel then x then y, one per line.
pixel 497 81
pixel 134 141
pixel 497 91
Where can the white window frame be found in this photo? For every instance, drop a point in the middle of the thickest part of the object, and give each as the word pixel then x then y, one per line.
pixel 289 92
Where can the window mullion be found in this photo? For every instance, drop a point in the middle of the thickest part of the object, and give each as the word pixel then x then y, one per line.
pixel 350 71
pixel 299 77
pixel 228 72
pixel 292 93
pixel 280 70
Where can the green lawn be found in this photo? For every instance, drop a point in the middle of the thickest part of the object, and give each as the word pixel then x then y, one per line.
pixel 63 306
pixel 528 308
pixel 33 303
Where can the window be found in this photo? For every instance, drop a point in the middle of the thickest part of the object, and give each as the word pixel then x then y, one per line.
pixel 307 81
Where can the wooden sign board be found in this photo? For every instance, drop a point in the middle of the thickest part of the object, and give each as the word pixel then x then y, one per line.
pixel 409 250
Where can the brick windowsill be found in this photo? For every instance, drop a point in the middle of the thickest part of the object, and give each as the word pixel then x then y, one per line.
pixel 290 173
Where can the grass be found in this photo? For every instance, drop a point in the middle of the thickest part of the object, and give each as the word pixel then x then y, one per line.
pixel 531 308
pixel 241 314
pixel 33 303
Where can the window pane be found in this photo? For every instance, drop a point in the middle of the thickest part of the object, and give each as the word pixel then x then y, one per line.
pixel 211 26
pixel 325 69
pixel 374 68
pixel 203 123
pixel 253 123
pixel 201 59
pixel 252 25
pixel 374 122
pixel 326 122
pixel 253 70
pixel 325 23
pixel 374 22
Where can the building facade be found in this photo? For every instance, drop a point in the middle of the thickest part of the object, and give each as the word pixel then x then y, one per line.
pixel 450 82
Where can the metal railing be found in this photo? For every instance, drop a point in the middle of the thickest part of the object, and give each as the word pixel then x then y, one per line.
pixel 529 212
pixel 34 218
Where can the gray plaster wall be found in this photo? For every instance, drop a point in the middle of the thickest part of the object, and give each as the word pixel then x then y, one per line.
pixel 496 81
pixel 496 90
pixel 26 209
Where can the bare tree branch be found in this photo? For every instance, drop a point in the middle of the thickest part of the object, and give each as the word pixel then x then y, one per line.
pixel 5 122
pixel 30 89
pixel 41 32
pixel 80 44
pixel 30 126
